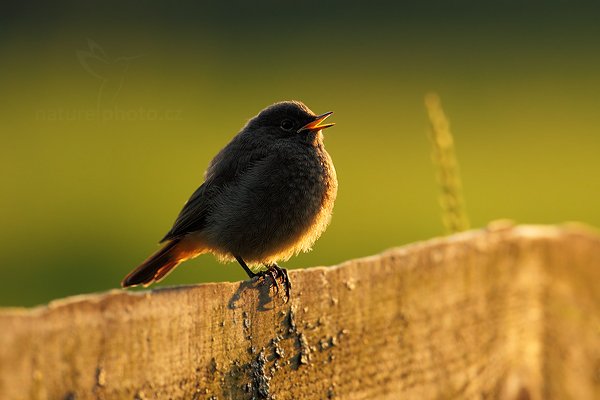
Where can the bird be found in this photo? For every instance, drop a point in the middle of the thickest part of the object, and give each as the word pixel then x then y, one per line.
pixel 267 195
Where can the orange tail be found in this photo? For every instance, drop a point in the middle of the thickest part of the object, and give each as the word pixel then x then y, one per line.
pixel 157 266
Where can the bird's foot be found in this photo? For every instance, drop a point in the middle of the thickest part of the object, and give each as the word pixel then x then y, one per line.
pixel 275 271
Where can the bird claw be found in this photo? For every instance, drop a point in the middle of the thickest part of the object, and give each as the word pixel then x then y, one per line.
pixel 275 271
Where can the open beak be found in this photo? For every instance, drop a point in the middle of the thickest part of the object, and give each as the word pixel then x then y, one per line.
pixel 316 124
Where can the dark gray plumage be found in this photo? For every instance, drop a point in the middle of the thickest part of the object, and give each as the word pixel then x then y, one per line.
pixel 267 195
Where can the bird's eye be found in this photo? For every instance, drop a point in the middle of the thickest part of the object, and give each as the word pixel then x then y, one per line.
pixel 287 125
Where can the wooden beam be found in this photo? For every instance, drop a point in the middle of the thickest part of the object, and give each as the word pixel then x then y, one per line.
pixel 506 312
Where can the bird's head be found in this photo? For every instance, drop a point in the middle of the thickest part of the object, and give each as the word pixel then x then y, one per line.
pixel 289 120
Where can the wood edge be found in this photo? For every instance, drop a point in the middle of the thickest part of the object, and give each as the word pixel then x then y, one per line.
pixel 499 229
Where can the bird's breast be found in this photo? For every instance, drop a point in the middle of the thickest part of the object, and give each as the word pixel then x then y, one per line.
pixel 308 188
pixel 282 210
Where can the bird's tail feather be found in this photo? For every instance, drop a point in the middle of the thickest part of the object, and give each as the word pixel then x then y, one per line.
pixel 157 266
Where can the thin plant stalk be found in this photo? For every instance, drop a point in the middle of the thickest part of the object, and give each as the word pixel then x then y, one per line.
pixel 454 214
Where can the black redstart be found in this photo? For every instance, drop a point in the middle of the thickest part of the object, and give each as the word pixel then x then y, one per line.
pixel 267 195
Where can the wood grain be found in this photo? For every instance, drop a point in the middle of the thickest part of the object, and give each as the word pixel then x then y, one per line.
pixel 506 312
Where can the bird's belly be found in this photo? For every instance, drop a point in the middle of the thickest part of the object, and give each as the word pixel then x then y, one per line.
pixel 277 220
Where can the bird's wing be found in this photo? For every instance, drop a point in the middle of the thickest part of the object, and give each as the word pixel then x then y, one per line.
pixel 192 217
pixel 234 161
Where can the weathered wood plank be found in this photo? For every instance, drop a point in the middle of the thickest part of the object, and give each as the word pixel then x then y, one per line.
pixel 511 312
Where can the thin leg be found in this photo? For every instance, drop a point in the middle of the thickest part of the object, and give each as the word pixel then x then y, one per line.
pixel 243 264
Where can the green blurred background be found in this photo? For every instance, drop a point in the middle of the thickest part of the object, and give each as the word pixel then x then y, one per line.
pixel 110 114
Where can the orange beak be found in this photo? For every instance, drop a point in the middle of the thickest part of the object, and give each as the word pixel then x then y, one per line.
pixel 316 124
